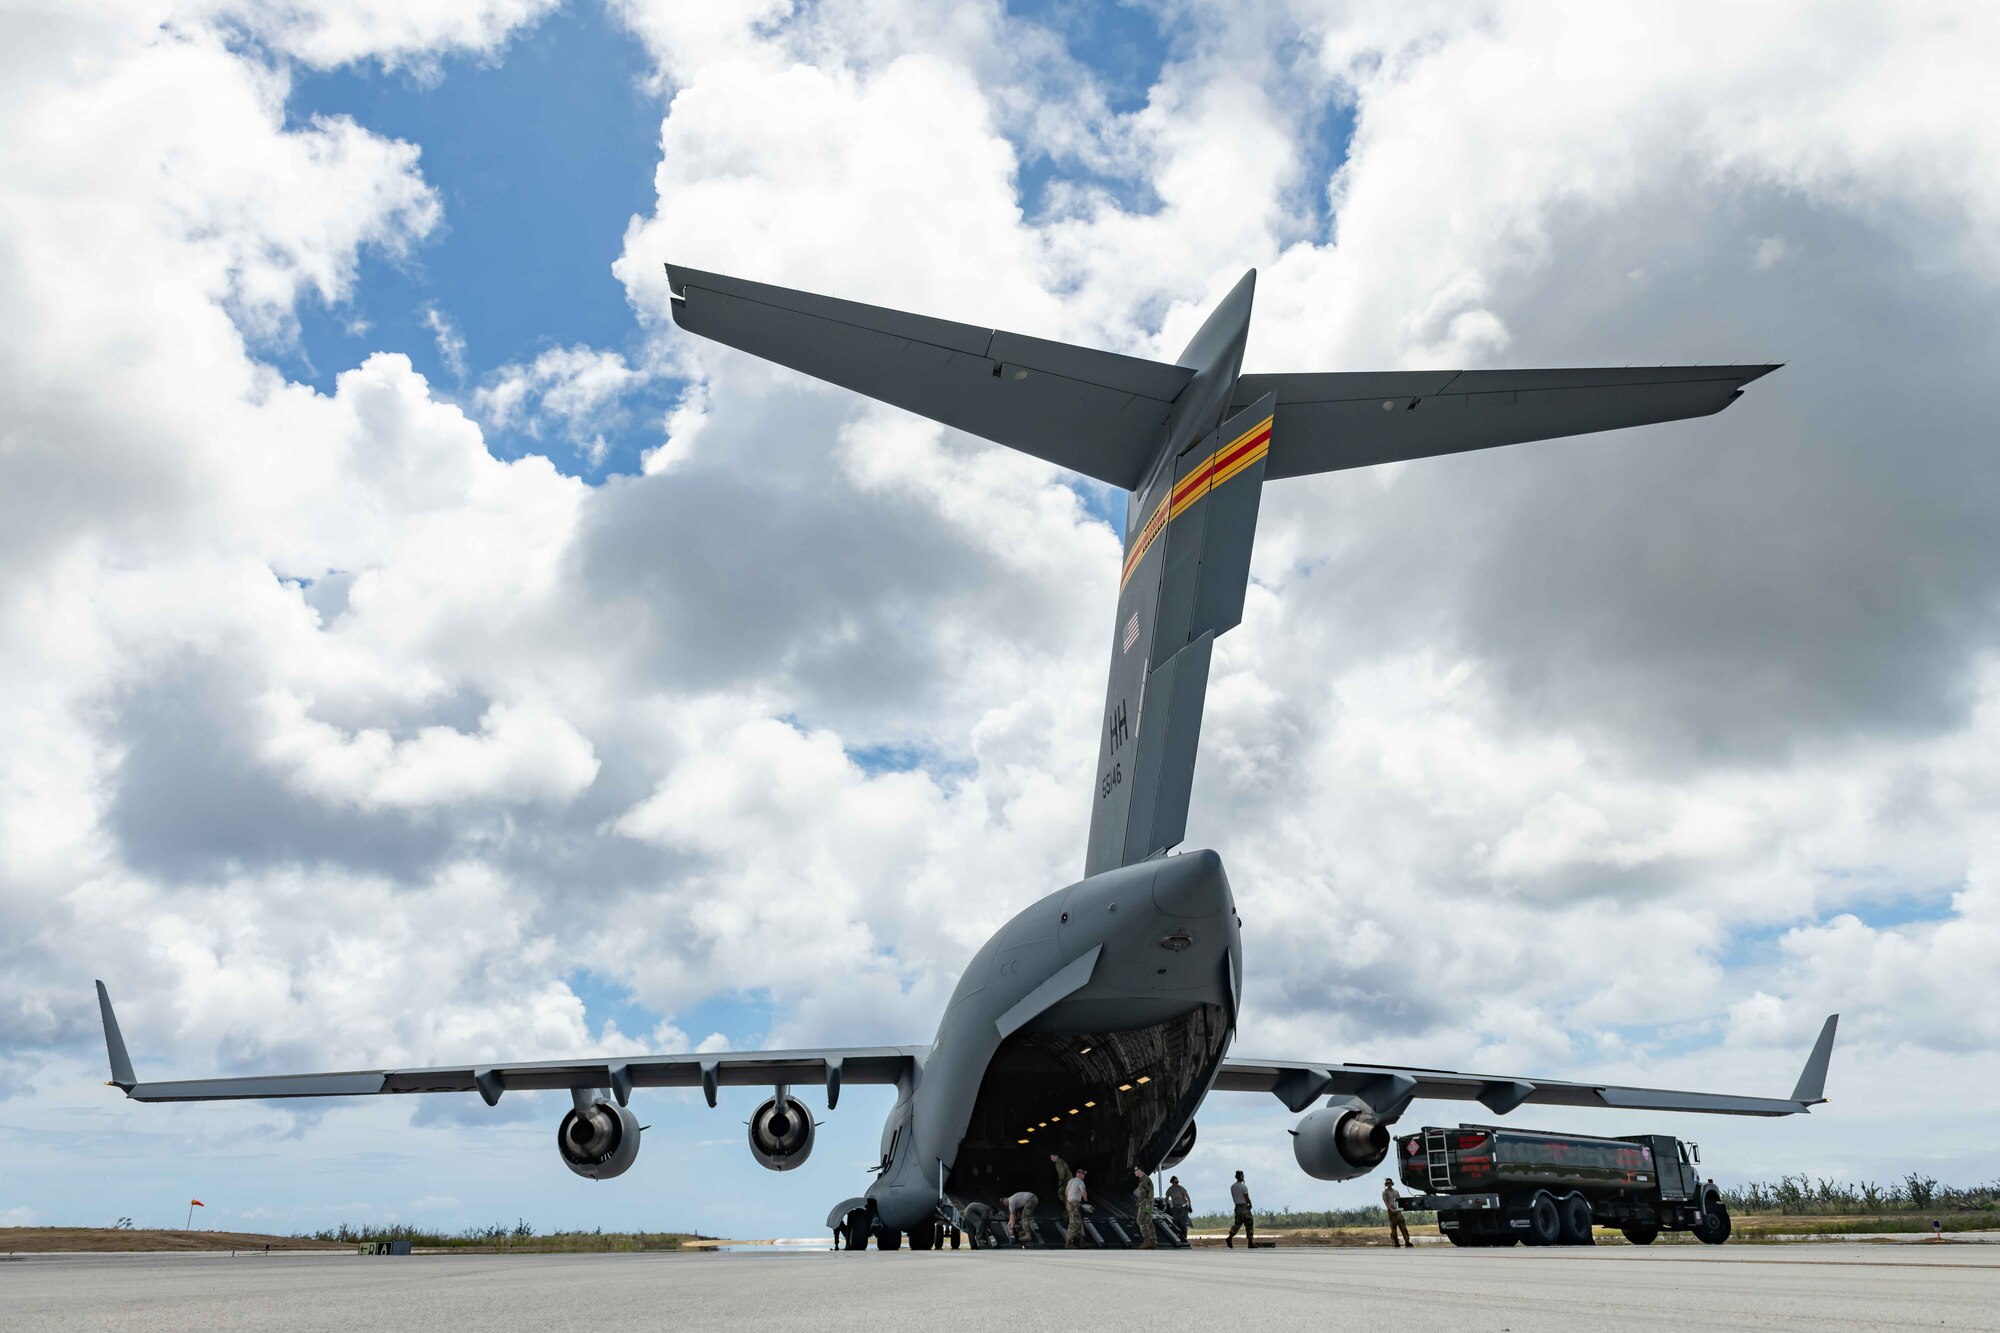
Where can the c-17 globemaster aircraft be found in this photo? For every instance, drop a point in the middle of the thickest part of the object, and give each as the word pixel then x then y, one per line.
pixel 1096 1021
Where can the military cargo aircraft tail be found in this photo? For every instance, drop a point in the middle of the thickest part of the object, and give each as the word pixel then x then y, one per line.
pixel 1192 444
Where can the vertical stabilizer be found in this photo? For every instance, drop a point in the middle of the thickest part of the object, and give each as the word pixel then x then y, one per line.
pixel 1187 563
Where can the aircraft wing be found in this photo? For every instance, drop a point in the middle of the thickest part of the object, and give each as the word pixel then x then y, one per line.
pixel 830 1066
pixel 1389 1088
pixel 1327 422
pixel 1093 412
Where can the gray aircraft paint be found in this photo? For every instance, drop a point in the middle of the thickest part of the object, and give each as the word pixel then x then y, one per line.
pixel 1118 994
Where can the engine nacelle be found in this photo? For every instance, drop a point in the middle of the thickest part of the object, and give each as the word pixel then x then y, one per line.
pixel 781 1133
pixel 1182 1147
pixel 1340 1141
pixel 599 1139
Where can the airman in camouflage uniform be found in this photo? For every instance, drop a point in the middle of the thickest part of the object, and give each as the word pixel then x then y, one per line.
pixel 1142 1198
pixel 1021 1215
pixel 1063 1174
pixel 1074 1195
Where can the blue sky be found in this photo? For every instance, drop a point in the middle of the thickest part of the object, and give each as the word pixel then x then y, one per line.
pixel 540 157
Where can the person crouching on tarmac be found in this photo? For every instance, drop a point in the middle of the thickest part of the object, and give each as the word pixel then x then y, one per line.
pixel 973 1217
pixel 1239 1195
pixel 1021 1215
pixel 1391 1206
pixel 1075 1195
pixel 1142 1199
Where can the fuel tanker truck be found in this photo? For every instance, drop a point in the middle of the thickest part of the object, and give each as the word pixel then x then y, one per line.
pixel 1492 1186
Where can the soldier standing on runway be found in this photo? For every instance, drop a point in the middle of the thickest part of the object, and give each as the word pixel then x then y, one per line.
pixel 1239 1195
pixel 1142 1197
pixel 1178 1204
pixel 1074 1196
pixel 1395 1211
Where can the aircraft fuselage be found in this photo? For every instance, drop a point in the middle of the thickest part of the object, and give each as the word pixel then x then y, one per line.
pixel 1091 1025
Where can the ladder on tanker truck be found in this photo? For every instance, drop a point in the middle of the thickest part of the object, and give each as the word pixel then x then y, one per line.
pixel 1437 1160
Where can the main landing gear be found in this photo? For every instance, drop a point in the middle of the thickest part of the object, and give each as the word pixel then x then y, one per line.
pixel 860 1224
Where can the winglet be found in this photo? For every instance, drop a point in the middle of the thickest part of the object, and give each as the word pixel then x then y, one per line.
pixel 1812 1079
pixel 114 1045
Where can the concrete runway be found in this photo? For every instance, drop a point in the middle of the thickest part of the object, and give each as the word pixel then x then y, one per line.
pixel 1846 1286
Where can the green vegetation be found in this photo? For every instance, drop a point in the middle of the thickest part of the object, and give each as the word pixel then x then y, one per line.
pixel 1788 1206
pixel 1803 1196
pixel 517 1239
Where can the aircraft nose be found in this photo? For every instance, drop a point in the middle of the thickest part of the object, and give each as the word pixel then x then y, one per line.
pixel 1191 885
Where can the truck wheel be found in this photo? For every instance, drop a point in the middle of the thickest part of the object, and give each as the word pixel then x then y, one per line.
pixel 1574 1210
pixel 1642 1235
pixel 1460 1240
pixel 1544 1220
pixel 1714 1227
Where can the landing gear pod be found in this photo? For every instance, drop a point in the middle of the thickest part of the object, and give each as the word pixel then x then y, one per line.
pixel 1340 1141
pixel 599 1139
pixel 781 1133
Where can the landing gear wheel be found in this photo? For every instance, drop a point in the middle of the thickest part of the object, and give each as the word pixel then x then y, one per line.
pixel 1643 1235
pixel 888 1238
pixel 1574 1211
pixel 1714 1227
pixel 855 1230
pixel 954 1233
pixel 925 1237
pixel 1544 1220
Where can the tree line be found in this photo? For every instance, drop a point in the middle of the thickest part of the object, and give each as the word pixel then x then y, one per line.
pixel 1915 1192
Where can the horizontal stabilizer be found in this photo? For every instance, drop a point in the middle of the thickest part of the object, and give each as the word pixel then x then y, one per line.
pixel 1097 413
pixel 1328 422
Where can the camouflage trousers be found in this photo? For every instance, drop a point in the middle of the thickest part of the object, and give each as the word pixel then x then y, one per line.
pixel 1247 1221
pixel 1024 1222
pixel 1074 1238
pixel 1146 1227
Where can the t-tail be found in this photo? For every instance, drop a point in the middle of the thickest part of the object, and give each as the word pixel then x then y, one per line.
pixel 1193 444
pixel 1188 530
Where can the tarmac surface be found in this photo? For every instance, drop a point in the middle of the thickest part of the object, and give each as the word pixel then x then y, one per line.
pixel 1831 1286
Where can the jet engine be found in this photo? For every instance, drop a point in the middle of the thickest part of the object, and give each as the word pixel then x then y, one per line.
pixel 781 1133
pixel 599 1139
pixel 1340 1141
pixel 1182 1147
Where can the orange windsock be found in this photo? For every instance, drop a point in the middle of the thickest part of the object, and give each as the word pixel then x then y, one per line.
pixel 196 1203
